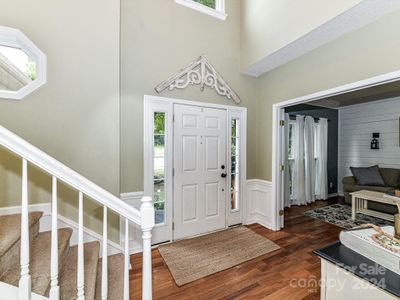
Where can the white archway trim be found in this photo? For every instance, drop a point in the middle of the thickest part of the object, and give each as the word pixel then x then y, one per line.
pixel 199 72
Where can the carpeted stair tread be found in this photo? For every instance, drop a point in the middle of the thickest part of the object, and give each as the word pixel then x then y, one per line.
pixel 10 229
pixel 40 260
pixel 115 278
pixel 68 277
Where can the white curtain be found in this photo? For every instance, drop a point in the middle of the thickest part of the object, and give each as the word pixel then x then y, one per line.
pixel 321 182
pixel 309 173
pixel 309 160
pixel 298 180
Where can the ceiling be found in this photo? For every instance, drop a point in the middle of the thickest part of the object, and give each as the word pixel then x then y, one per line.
pixel 360 15
pixel 384 91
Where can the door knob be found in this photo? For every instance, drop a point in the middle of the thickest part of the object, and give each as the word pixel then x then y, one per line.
pixel 223 175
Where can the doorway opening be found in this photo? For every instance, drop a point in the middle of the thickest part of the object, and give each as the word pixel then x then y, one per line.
pixel 361 110
pixel 194 166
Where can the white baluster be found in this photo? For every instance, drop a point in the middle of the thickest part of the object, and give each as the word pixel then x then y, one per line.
pixel 104 265
pixel 54 288
pixel 25 284
pixel 147 224
pixel 81 259
pixel 127 261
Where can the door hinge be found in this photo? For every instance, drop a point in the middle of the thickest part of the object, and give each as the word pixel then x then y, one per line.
pixel 281 213
pixel 173 171
pixel 281 168
pixel 173 225
pixel 281 123
pixel 173 118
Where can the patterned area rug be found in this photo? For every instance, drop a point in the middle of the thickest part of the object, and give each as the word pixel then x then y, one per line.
pixel 340 215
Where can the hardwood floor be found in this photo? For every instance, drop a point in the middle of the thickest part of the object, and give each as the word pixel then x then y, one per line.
pixel 289 273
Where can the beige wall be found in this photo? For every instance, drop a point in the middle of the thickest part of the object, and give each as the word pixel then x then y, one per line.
pixel 75 117
pixel 159 38
pixel 268 25
pixel 370 51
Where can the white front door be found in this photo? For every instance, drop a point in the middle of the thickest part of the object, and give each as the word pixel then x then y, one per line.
pixel 200 166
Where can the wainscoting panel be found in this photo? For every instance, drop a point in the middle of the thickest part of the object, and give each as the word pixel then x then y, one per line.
pixel 356 125
pixel 135 233
pixel 259 203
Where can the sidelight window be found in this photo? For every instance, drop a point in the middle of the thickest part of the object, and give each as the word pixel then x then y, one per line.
pixel 159 166
pixel 235 166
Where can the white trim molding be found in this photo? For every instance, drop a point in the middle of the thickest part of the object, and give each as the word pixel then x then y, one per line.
pixel 163 232
pixel 355 18
pixel 15 38
pixel 218 12
pixel 260 203
pixel 277 130
pixel 200 72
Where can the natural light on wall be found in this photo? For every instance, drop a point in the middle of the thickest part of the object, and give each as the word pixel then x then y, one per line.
pixel 215 8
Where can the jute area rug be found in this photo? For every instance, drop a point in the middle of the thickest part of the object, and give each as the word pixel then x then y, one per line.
pixel 192 259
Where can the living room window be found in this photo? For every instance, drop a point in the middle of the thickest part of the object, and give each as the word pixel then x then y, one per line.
pixel 293 155
pixel 215 8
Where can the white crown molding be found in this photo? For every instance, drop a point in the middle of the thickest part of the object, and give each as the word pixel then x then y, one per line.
pixel 199 72
pixel 362 14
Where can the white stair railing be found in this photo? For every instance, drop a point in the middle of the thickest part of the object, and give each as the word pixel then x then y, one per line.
pixel 59 172
pixel 54 288
pixel 25 279
pixel 80 282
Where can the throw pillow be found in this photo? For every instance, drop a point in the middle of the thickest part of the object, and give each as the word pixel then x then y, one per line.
pixel 368 176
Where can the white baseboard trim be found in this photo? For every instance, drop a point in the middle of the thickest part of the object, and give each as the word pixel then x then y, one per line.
pixel 259 203
pixel 11 210
pixel 63 222
pixel 259 208
pixel 8 291
pixel 132 196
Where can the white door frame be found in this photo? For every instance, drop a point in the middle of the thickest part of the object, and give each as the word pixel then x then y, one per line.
pixel 152 104
pixel 277 176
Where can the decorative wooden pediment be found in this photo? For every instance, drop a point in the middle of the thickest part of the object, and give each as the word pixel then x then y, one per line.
pixel 199 72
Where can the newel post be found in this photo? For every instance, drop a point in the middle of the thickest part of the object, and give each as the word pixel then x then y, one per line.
pixel 147 224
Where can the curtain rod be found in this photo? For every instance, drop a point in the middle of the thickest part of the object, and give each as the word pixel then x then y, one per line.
pixel 293 117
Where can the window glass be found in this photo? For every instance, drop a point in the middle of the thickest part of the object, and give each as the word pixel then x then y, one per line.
pixel 209 3
pixel 159 122
pixel 235 142
pixel 159 167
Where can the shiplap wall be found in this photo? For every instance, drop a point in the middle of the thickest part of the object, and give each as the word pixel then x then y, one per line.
pixel 356 125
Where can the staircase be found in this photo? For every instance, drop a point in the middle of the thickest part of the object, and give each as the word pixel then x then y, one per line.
pixel 40 261
pixel 43 265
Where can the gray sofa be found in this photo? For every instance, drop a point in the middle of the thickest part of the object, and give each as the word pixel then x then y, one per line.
pixel 391 177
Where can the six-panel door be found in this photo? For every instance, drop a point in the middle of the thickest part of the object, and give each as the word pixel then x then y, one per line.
pixel 199 162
